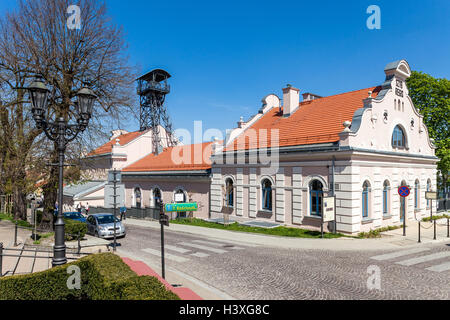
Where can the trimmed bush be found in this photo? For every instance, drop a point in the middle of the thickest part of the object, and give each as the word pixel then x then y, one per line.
pixel 103 277
pixel 72 228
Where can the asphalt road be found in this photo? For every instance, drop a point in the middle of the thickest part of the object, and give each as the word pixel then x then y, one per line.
pixel 249 272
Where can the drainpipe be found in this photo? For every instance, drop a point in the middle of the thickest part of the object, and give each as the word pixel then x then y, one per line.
pixel 332 174
pixel 334 194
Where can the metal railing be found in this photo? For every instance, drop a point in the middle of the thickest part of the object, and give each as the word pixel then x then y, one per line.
pixel 4 252
pixel 434 223
pixel 144 86
pixel 12 252
pixel 146 213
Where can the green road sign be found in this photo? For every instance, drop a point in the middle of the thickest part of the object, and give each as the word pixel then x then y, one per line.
pixel 181 207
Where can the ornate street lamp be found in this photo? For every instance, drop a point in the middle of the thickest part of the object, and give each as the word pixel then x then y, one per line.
pixel 62 133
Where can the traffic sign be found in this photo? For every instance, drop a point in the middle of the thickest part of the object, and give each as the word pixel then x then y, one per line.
pixel 181 207
pixel 404 191
pixel 431 195
pixel 164 219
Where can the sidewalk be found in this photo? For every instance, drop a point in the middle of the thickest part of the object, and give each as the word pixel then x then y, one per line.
pixel 178 279
pixel 389 240
pixel 426 232
pixel 27 263
pixel 141 269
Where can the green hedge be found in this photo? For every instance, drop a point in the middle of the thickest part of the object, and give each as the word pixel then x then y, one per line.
pixel 103 277
pixel 72 228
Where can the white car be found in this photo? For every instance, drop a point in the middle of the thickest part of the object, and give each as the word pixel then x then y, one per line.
pixel 102 225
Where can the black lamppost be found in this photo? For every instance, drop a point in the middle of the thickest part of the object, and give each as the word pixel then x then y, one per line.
pixel 62 133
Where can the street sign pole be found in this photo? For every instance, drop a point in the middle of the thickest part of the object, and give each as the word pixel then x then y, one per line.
pixel 404 192
pixel 163 271
pixel 419 232
pixel 431 210
pixel 404 217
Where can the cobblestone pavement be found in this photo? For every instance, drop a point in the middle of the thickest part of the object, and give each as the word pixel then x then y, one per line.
pixel 260 273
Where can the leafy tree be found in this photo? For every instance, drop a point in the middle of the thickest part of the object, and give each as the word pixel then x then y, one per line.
pixel 35 40
pixel 431 96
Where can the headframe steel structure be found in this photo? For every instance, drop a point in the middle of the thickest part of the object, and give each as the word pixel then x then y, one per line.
pixel 152 88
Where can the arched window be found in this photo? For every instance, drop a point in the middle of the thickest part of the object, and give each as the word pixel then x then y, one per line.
pixel 416 195
pixel 229 193
pixel 267 195
pixel 157 198
pixel 398 138
pixel 428 189
pixel 365 200
pixel 315 197
pixel 386 199
pixel 137 197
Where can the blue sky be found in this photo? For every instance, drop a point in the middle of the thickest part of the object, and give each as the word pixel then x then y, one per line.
pixel 225 56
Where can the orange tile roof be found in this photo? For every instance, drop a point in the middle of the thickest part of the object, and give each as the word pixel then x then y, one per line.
pixel 315 121
pixel 124 139
pixel 172 159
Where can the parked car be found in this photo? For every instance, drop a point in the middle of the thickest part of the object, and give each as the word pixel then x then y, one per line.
pixel 75 216
pixel 102 225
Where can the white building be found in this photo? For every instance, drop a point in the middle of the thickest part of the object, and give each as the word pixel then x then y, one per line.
pixel 360 145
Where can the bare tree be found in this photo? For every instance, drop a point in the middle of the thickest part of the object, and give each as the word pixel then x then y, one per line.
pixel 67 58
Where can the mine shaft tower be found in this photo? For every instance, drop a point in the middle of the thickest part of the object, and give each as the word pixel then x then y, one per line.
pixel 152 88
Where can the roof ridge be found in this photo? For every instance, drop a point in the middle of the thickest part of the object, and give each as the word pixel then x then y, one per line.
pixel 340 94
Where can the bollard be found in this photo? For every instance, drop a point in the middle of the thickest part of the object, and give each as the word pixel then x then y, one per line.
pixel 15 235
pixel 1 259
pixel 419 232
pixel 434 229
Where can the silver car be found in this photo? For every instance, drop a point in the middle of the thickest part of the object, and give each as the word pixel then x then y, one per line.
pixel 102 225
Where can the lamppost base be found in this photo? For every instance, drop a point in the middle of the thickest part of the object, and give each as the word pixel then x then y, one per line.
pixel 59 256
pixel 57 263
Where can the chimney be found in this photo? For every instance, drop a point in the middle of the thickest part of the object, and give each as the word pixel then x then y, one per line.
pixel 241 123
pixel 291 100
pixel 117 133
